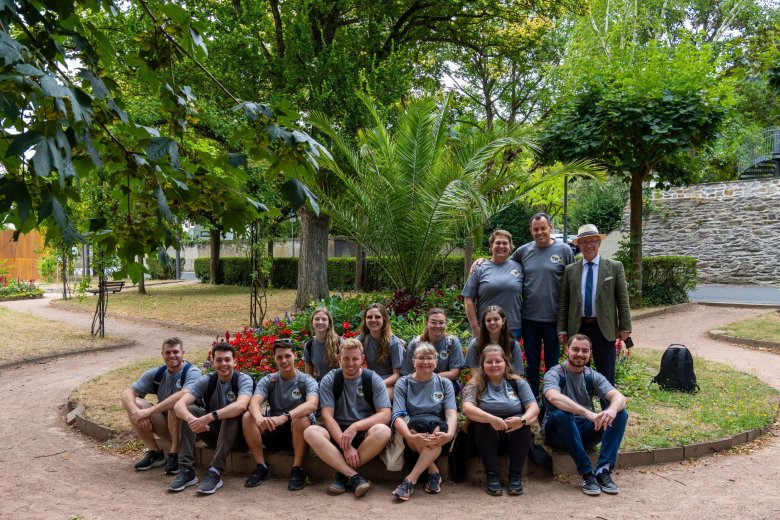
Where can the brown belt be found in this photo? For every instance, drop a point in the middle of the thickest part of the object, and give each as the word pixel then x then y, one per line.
pixel 588 320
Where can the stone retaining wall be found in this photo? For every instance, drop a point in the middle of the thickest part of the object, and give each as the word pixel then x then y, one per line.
pixel 733 228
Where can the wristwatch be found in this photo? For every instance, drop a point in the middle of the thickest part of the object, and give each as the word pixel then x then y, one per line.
pixel 215 415
pixel 522 420
pixel 287 414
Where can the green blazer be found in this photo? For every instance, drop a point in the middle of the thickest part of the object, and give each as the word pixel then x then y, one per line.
pixel 612 308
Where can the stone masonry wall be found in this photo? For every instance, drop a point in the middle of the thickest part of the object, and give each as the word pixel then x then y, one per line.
pixel 733 228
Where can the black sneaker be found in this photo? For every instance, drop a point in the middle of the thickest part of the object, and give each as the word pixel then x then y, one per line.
pixel 185 478
pixel 257 477
pixel 404 490
pixel 606 484
pixel 433 486
pixel 211 482
pixel 297 479
pixel 590 485
pixel 515 486
pixel 359 484
pixel 151 459
pixel 493 485
pixel 338 485
pixel 172 464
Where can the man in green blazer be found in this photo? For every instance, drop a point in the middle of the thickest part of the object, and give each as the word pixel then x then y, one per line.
pixel 594 301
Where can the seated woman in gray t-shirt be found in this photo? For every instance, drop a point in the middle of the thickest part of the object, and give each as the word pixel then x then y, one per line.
pixel 384 352
pixel 501 407
pixel 425 415
pixel 321 352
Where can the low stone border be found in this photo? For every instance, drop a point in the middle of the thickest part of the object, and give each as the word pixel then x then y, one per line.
pixel 21 297
pixel 47 357
pixel 148 321
pixel 242 463
pixel 664 310
pixel 720 335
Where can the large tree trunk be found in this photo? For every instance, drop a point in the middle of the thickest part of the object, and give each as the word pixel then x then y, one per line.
pixel 635 219
pixel 358 267
pixel 142 281
pixel 313 258
pixel 214 243
pixel 468 258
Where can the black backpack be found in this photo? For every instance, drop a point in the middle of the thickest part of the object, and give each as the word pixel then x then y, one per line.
pixel 158 376
pixel 366 382
pixel 212 387
pixel 676 371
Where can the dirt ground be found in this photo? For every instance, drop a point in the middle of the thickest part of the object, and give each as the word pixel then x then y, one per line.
pixel 51 471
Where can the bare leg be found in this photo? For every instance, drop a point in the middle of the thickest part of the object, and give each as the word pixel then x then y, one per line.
pixel 318 439
pixel 299 426
pixel 147 436
pixel 173 431
pixel 253 438
pixel 376 439
pixel 426 460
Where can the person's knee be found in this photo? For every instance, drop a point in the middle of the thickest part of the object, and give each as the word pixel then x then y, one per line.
pixel 315 434
pixel 379 432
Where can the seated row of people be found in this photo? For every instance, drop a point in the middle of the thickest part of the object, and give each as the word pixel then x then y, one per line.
pixel 356 414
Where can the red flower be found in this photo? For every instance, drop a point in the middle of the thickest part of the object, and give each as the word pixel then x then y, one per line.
pixel 346 325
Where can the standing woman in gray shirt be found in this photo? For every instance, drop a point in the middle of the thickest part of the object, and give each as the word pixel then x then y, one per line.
pixel 501 407
pixel 321 352
pixel 493 330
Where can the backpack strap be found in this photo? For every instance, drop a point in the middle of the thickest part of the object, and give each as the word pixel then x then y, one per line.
pixel 272 386
pixel 158 377
pixel 212 386
pixel 368 388
pixel 307 348
pixel 515 386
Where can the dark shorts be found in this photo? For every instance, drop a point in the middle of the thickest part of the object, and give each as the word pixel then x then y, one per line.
pixel 280 439
pixel 356 442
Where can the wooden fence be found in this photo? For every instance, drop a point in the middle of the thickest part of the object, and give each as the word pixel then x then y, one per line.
pixel 20 258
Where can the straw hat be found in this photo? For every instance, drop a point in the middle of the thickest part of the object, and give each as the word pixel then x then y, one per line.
pixel 588 230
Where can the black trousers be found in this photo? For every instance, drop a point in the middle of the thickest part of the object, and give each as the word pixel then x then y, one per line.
pixel 489 441
pixel 603 350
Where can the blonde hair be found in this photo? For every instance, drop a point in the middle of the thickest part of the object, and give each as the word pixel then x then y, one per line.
pixel 331 338
pixel 425 348
pixel 351 344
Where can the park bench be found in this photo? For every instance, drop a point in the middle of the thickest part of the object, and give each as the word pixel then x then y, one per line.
pixel 105 288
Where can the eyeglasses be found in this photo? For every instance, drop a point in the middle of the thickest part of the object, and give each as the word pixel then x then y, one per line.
pixel 424 358
pixel 588 242
pixel 283 342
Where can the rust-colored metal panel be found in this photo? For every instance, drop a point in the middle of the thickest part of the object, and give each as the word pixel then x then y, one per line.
pixel 21 257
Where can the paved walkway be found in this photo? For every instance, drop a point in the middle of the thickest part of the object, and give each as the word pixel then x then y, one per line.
pixel 751 294
pixel 49 471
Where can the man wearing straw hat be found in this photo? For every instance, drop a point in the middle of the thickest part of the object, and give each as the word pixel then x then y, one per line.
pixel 594 301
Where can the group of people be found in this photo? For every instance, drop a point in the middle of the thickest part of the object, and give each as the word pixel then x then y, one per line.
pixel 366 387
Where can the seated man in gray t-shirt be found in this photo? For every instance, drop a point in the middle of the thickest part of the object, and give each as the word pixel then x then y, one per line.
pixel 355 413
pixel 167 382
pixel 572 424
pixel 292 399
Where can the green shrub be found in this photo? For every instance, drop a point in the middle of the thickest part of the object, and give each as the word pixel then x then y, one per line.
pixel 341 273
pixel 599 204
pixel 160 271
pixel 666 280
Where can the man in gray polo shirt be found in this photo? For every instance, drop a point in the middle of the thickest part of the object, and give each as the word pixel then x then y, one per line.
pixel 225 394
pixel 292 397
pixel 571 422
pixel 167 382
pixel 355 414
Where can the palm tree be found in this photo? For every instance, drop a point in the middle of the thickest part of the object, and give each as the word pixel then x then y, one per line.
pixel 410 196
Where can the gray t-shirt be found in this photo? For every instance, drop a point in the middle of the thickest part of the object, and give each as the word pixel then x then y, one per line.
pixel 543 271
pixel 575 388
pixel 448 348
pixel 472 359
pixel 223 393
pixel 501 400
pixel 287 395
pixel 429 398
pixel 170 384
pixel 317 358
pixel 497 284
pixel 352 406
pixel 393 359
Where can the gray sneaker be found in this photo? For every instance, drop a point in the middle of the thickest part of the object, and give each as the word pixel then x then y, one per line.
pixel 404 490
pixel 359 484
pixel 590 485
pixel 211 482
pixel 338 485
pixel 152 459
pixel 606 484
pixel 185 478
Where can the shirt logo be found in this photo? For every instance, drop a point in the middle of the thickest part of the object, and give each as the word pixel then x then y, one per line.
pixel 230 396
pixel 178 383
pixel 512 395
pixel 360 390
pixel 296 393
pixel 515 273
pixel 438 396
pixel 555 259
pixel 444 354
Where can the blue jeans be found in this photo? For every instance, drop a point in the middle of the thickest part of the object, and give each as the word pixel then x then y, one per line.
pixel 575 434
pixel 516 333
pixel 534 333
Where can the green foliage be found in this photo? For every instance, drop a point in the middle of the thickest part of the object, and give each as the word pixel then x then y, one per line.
pixel 514 219
pixel 666 280
pixel 599 204
pixel 341 273
pixel 13 289
pixel 165 269
pixel 47 265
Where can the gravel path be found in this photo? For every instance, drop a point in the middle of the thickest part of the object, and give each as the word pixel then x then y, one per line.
pixel 50 471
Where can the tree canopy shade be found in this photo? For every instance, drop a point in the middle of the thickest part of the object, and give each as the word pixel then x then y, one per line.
pixel 62 122
pixel 641 120
pixel 412 193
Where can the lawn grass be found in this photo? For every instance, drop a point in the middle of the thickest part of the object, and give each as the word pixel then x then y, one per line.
pixel 729 402
pixel 765 327
pixel 222 307
pixel 26 337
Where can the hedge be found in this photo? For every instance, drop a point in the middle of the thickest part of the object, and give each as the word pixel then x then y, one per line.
pixel 666 280
pixel 341 273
